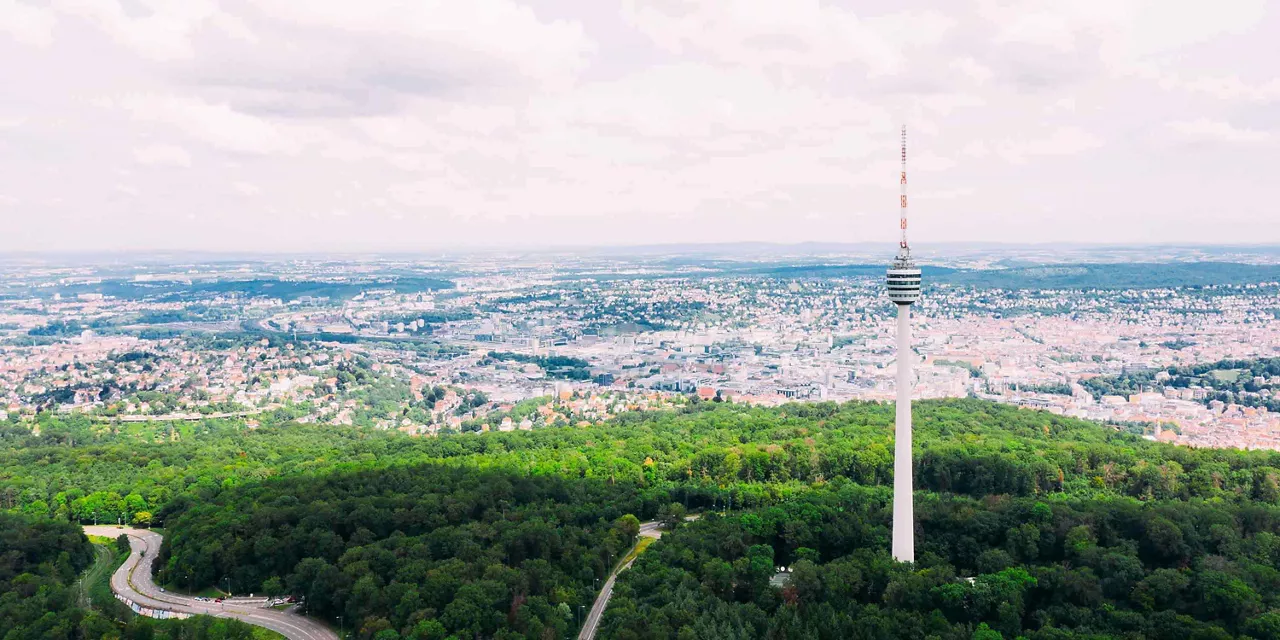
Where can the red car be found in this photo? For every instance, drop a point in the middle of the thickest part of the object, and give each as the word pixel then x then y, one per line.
pixel 217 600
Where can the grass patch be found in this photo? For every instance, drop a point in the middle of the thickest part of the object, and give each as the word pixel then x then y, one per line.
pixel 1226 375
pixel 643 544
pixel 209 627
pixel 207 592
pixel 97 582
pixel 103 558
pixel 210 592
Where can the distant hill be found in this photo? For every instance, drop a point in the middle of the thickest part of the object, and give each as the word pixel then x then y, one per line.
pixel 1116 276
pixel 831 270
pixel 271 287
pixel 1137 275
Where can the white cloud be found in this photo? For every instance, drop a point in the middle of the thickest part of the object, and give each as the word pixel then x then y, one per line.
pixel 1152 27
pixel 157 29
pixel 1126 31
pixel 945 194
pixel 1204 130
pixel 215 124
pixel 26 23
pixel 8 201
pixel 1229 87
pixel 486 31
pixel 1063 141
pixel 1039 28
pixel 973 69
pixel 930 161
pixel 509 121
pixel 162 155
pixel 804 33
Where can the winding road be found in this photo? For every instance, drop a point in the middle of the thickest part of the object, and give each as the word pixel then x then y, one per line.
pixel 647 530
pixel 133 580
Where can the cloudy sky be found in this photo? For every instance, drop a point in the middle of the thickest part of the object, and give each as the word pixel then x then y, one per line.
pixel 421 124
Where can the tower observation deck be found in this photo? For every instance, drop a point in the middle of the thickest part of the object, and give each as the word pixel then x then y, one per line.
pixel 903 280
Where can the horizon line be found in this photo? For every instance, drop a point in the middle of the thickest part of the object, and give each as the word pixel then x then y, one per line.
pixel 646 246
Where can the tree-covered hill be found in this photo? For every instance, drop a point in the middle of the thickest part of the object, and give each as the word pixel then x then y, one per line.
pixel 418 551
pixel 39 561
pixel 713 452
pixel 996 567
pixel 503 535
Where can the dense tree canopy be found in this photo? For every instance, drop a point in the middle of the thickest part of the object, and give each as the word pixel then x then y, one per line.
pixel 708 454
pixel 415 550
pixel 39 559
pixel 1067 528
pixel 1017 567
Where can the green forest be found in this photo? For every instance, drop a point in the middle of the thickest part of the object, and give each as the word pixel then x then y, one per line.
pixel 1029 524
pixel 424 551
pixel 991 567
pixel 41 596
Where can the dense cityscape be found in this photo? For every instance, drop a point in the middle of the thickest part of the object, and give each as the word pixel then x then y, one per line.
pixel 401 346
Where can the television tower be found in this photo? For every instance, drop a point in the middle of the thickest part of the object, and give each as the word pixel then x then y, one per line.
pixel 903 280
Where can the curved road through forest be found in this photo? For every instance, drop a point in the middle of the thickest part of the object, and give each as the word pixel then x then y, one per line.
pixel 133 580
pixel 647 530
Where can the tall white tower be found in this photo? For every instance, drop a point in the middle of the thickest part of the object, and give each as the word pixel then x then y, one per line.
pixel 903 280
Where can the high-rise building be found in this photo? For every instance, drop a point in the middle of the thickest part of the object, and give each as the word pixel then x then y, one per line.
pixel 903 283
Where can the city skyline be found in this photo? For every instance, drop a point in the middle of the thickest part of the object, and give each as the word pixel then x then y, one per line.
pixel 268 126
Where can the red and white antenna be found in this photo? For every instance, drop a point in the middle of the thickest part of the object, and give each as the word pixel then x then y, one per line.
pixel 903 197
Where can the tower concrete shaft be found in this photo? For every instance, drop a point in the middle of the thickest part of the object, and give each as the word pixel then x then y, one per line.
pixel 904 531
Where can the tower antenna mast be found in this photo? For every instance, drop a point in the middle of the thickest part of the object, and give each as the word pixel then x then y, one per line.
pixel 904 249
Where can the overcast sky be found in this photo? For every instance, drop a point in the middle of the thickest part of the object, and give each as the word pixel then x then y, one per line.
pixel 384 124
